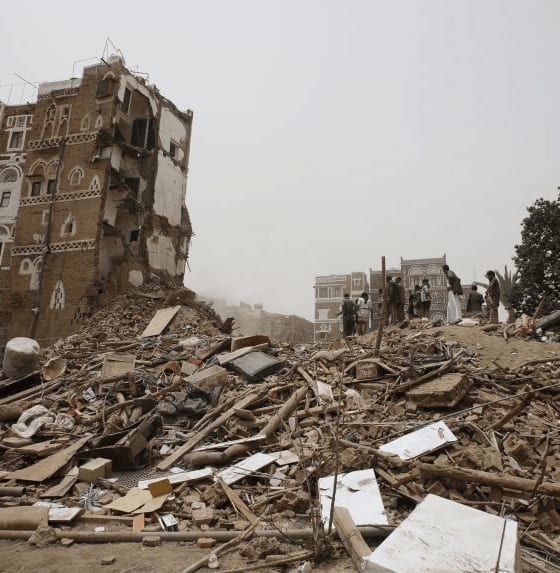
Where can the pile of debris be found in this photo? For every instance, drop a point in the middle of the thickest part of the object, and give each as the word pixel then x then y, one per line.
pixel 153 423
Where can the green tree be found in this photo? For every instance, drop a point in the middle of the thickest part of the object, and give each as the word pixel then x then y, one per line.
pixel 538 259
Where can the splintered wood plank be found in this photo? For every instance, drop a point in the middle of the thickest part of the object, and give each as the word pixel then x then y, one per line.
pixel 159 321
pixel 47 467
pixel 60 489
pixel 351 537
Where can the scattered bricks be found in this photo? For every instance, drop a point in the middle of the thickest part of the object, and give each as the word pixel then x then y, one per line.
pixel 444 392
pixel 108 560
pixel 151 541
pixel 367 370
pixel 94 469
pixel 205 542
pixel 202 516
pixel 160 487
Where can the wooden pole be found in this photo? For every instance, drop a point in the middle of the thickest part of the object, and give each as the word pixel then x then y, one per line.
pixel 500 480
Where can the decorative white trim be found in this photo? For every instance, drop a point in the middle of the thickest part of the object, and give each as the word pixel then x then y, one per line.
pixel 74 139
pixel 76 172
pixel 67 247
pixel 59 197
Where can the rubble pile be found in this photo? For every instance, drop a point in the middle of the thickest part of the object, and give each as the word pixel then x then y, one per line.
pixel 153 423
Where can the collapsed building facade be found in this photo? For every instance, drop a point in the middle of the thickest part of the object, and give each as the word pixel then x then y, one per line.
pixel 97 170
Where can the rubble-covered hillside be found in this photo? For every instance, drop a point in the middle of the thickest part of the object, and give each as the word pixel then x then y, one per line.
pixel 153 424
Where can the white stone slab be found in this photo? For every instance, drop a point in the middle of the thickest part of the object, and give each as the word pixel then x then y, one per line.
pixel 245 467
pixel 178 477
pixel 421 441
pixel 443 536
pixel 359 493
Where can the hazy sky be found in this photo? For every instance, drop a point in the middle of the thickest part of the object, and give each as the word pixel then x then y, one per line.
pixel 327 134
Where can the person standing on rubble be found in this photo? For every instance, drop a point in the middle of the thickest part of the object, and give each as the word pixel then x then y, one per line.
pixel 492 297
pixel 364 312
pixel 474 301
pixel 400 299
pixel 348 312
pixel 425 298
pixel 454 291
pixel 392 294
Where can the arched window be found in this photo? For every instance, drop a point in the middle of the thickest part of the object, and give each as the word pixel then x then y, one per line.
pixel 75 176
pixel 48 126
pixel 25 267
pixel 57 296
pixel 84 126
pixel 94 185
pixel 36 178
pixel 99 122
pixel 68 227
pixel 9 175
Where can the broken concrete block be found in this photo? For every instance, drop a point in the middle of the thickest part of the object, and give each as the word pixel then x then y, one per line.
pixel 203 516
pixel 366 370
pixel 108 560
pixel 66 542
pixel 443 535
pixel 94 469
pixel 209 378
pixel 151 541
pixel 205 542
pixel 21 357
pixel 256 365
pixel 160 487
pixel 444 392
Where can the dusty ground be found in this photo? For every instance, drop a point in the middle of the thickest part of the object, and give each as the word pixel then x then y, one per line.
pixel 19 557
pixel 489 347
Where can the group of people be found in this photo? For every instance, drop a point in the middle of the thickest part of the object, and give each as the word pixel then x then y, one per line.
pixel 419 300
pixel 356 314
pixel 474 299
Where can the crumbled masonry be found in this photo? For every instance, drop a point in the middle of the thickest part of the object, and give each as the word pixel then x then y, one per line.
pixel 195 434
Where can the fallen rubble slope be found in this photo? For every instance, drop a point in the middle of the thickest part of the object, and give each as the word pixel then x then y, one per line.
pixel 238 433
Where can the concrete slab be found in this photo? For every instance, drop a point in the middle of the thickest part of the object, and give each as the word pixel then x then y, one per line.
pixel 359 493
pixel 421 441
pixel 443 536
pixel 256 365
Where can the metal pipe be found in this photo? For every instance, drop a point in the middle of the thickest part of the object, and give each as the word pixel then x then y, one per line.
pixel 221 536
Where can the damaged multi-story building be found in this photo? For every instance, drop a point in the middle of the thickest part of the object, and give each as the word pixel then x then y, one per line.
pixel 97 171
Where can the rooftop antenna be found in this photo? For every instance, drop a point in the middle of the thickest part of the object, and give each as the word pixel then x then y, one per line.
pixel 34 86
pixel 109 44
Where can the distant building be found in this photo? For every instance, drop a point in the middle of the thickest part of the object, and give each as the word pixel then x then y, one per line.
pixel 329 292
pixel 412 273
